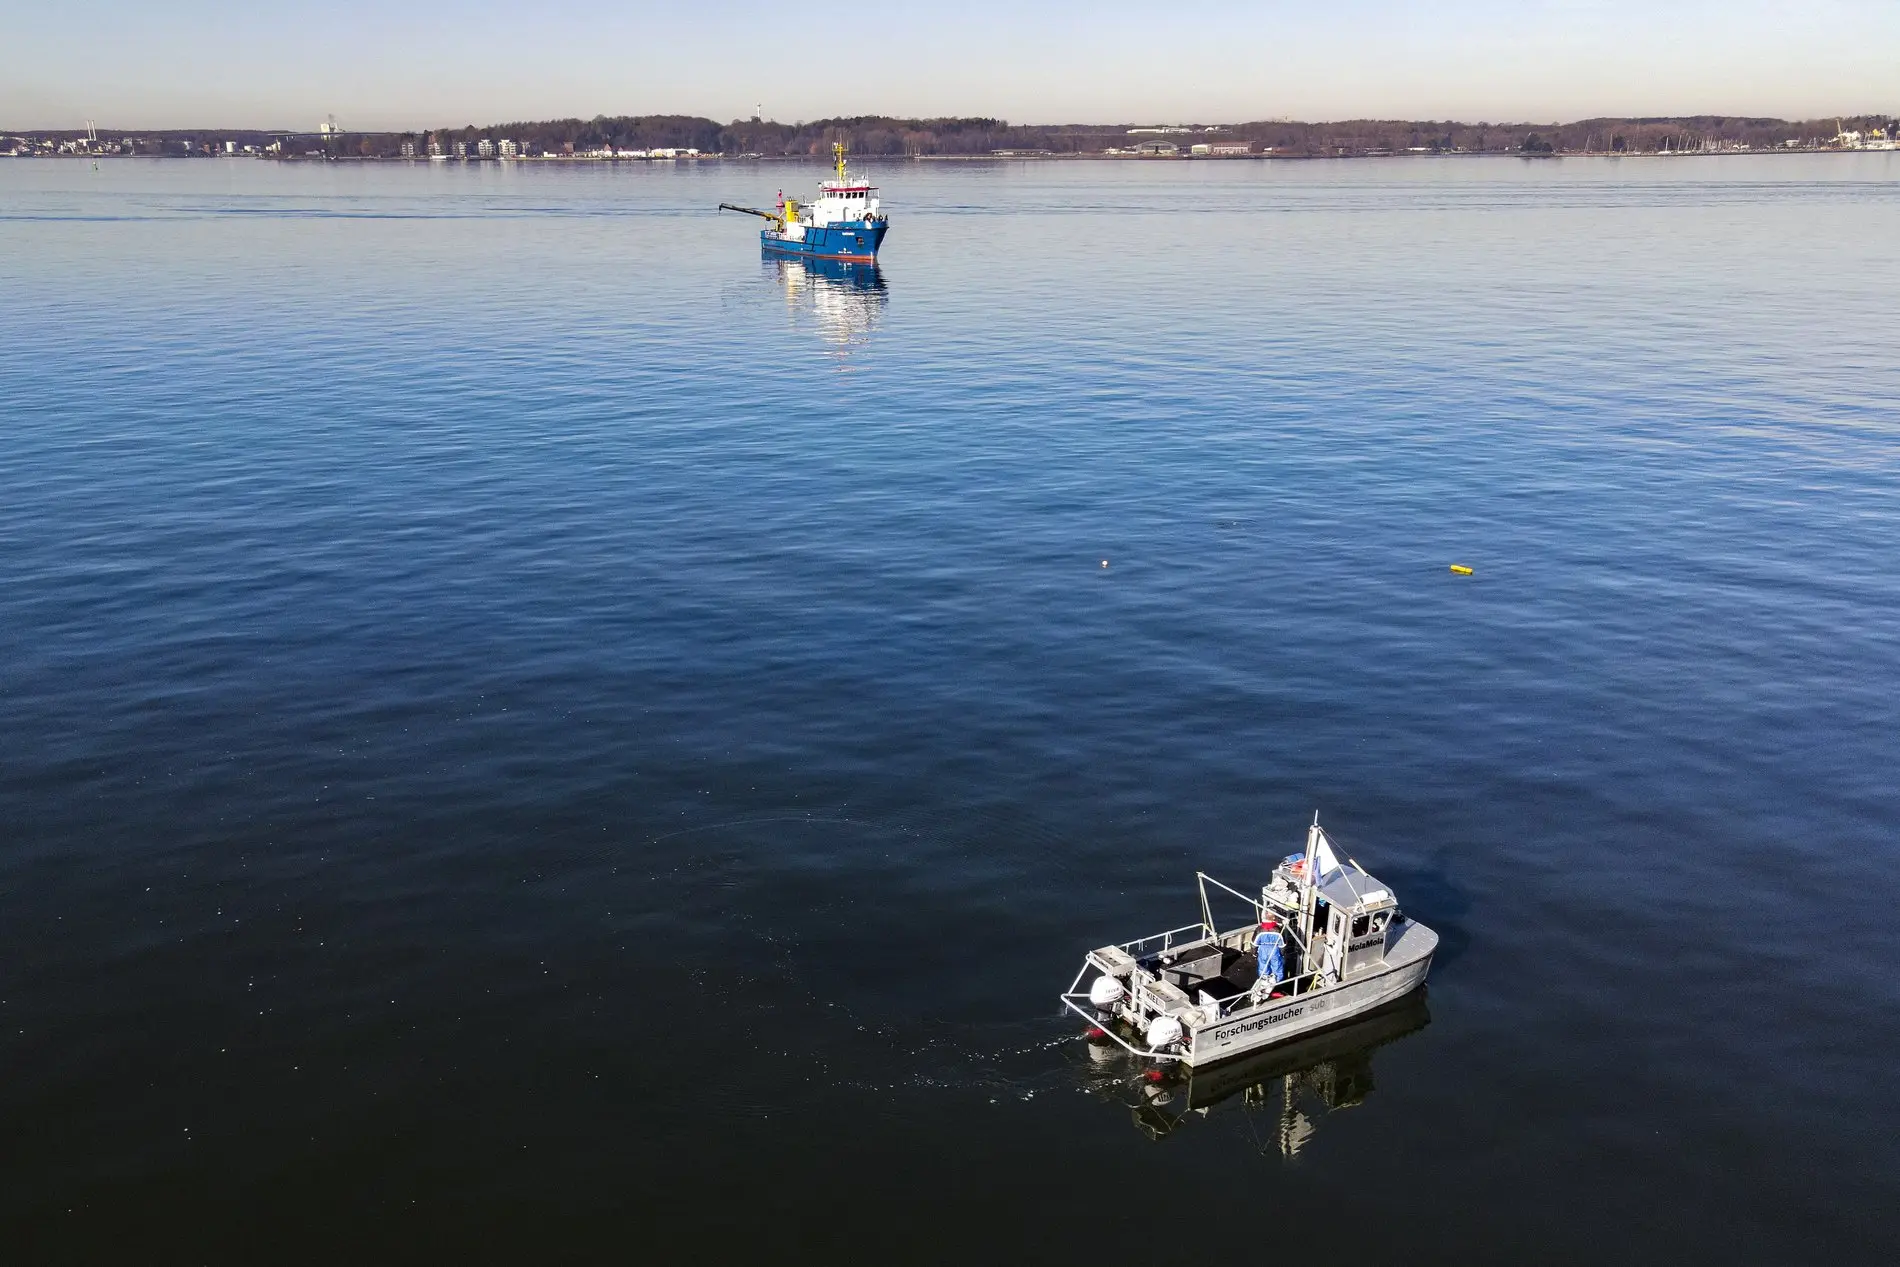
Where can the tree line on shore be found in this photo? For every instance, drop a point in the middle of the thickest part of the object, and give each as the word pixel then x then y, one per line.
pixel 882 136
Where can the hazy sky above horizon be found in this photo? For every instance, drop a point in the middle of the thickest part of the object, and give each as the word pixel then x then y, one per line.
pixel 426 63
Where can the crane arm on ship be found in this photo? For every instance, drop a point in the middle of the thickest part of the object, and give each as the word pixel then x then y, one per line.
pixel 753 211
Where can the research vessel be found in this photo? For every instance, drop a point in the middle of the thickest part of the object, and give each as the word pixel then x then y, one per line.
pixel 843 223
pixel 1327 942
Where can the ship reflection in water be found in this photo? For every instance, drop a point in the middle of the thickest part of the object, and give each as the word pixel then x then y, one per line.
pixel 844 302
pixel 1285 1090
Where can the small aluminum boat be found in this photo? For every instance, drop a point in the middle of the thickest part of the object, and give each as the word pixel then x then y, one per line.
pixel 1327 943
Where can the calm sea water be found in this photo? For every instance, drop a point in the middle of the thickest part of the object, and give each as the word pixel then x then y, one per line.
pixel 526 732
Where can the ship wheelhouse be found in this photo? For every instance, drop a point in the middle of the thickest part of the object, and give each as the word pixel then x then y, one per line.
pixel 843 202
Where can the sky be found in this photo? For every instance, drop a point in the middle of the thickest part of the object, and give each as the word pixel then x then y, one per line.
pixel 405 64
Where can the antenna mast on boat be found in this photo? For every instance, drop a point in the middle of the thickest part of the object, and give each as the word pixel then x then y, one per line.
pixel 1309 897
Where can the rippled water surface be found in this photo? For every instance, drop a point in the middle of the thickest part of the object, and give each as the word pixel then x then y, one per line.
pixel 526 732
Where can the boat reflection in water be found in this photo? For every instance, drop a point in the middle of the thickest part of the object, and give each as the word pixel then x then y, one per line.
pixel 843 301
pixel 1292 1086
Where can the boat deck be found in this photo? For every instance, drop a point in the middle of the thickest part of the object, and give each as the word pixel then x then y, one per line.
pixel 1236 974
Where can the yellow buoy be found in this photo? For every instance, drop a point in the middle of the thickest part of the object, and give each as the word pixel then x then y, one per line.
pixel 1461 569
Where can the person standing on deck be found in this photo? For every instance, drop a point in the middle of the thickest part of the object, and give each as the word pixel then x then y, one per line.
pixel 1269 953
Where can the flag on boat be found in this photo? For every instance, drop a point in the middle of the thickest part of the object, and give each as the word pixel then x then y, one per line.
pixel 1325 859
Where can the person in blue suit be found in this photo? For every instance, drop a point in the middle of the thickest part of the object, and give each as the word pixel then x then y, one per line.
pixel 1270 952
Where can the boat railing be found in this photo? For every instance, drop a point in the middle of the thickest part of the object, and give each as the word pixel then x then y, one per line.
pixel 1076 999
pixel 1136 948
pixel 1076 1003
pixel 1207 914
pixel 1290 985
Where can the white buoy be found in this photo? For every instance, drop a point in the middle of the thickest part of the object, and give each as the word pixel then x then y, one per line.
pixel 1163 1030
pixel 1105 993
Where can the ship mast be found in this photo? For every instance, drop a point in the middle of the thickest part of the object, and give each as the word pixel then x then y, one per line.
pixel 1309 906
pixel 837 150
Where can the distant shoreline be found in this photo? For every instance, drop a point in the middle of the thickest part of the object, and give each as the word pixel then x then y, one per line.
pixel 647 138
pixel 882 160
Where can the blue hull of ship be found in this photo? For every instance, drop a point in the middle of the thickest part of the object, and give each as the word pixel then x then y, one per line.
pixel 852 240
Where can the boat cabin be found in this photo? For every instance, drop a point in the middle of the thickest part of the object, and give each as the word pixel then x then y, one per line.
pixel 841 201
pixel 1357 914
pixel 838 202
